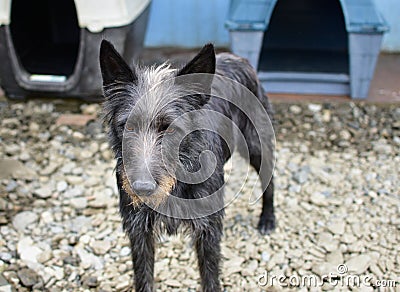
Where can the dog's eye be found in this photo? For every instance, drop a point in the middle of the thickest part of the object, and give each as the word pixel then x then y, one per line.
pixel 170 130
pixel 130 128
pixel 166 129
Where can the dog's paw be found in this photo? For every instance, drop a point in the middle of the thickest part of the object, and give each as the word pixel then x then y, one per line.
pixel 266 225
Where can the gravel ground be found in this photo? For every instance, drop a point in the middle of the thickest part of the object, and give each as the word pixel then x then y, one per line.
pixel 337 202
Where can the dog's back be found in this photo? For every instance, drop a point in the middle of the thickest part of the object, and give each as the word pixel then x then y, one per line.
pixel 241 113
pixel 240 70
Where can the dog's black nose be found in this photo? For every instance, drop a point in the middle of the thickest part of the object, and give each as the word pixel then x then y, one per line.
pixel 143 188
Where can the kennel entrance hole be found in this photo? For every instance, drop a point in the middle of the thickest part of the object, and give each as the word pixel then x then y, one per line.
pixel 46 36
pixel 306 36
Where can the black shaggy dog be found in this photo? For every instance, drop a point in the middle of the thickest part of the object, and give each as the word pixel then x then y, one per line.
pixel 141 105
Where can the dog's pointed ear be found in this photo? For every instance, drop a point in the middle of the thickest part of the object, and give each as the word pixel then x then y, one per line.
pixel 113 67
pixel 203 62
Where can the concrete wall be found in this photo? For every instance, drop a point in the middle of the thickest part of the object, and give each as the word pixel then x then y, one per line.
pixel 192 23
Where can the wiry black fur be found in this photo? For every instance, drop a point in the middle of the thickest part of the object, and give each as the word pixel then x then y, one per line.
pixel 141 223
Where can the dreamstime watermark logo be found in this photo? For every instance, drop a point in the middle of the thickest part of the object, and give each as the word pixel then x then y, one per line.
pixel 340 278
pixel 236 116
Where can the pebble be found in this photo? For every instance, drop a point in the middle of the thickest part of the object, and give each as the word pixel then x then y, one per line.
pixel 336 226
pixel 11 186
pixel 295 109
pixel 47 217
pixel 12 168
pixel 78 136
pixel 61 186
pixel 314 107
pixel 44 192
pixel 89 260
pixel 23 219
pixel 122 268
pixel 358 264
pixel 79 223
pixel 324 268
pixel 91 282
pixel 376 271
pixel 5 257
pixel 28 252
pixel 345 135
pixel 301 176
pixel 34 127
pixel 335 257
pixel 123 285
pixel 173 283
pixel 90 109
pixel 51 168
pixel 125 251
pixel 74 192
pixel 74 180
pixel 327 242
pixel 27 277
pixel 100 200
pixel 100 247
pixel 265 256
pixel 44 256
pixel 326 116
pixel 294 188
pixel 381 147
pixel 78 203
pixel 319 199
pixel 348 238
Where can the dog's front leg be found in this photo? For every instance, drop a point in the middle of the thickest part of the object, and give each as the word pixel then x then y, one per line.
pixel 207 234
pixel 138 225
pixel 142 246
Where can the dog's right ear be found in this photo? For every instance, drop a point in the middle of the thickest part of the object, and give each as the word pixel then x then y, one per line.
pixel 113 67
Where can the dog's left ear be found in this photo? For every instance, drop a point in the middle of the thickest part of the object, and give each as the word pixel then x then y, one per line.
pixel 203 62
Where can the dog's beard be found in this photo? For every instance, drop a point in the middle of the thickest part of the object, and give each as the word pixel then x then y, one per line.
pixel 156 199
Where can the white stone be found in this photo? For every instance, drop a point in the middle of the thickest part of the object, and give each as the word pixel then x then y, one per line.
pixel 358 264
pixel 100 247
pixel 327 242
pixel 23 219
pixel 336 226
pixel 28 252
pixel 89 260
pixel 125 251
pixel 319 199
pixel 295 109
pixel 61 186
pixel 79 203
pixel 314 107
pixel 324 268
pixel 335 257
pixel 44 192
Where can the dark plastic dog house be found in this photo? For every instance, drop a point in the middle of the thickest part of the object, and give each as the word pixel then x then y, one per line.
pixel 50 48
pixel 309 46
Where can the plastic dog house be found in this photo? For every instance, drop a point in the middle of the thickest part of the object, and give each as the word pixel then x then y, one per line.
pixel 50 48
pixel 309 46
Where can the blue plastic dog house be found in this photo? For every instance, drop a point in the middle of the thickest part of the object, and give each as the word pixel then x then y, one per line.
pixel 309 46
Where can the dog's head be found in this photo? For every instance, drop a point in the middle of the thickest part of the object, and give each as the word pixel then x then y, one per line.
pixel 141 108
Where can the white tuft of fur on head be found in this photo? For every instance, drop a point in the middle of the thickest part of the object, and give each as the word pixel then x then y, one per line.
pixel 156 87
